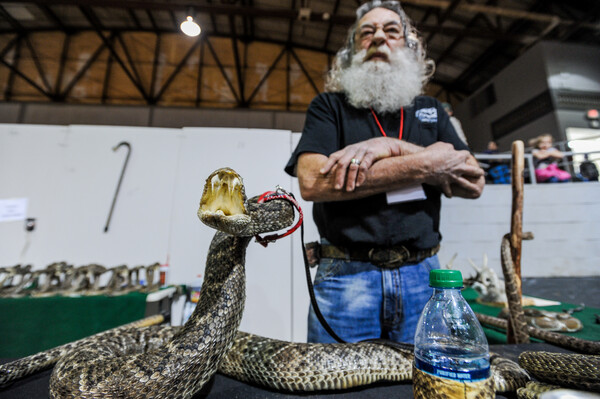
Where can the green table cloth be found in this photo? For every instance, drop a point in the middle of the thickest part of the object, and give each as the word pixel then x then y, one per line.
pixel 29 325
pixel 590 331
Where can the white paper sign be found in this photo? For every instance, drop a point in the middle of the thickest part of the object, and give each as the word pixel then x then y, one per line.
pixel 412 193
pixel 12 209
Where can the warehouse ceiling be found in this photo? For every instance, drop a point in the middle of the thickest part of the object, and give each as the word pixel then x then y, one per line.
pixel 263 54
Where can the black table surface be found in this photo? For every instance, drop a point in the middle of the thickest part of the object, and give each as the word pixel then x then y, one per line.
pixel 36 386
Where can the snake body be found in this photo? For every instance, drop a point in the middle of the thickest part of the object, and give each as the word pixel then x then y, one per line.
pixel 517 317
pixel 169 362
pixel 135 365
pixel 571 370
pixel 312 367
pixel 303 367
pixel 513 293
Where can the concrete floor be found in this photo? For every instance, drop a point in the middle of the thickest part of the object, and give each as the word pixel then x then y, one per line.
pixel 575 290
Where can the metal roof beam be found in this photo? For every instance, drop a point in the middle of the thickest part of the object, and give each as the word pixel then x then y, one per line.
pixel 13 22
pixel 308 77
pixel 176 71
pixel 236 57
pixel 93 19
pixel 82 70
pixel 330 25
pixel 136 20
pixel 473 8
pixel 14 69
pixel 222 69
pixel 266 75
pixel 51 15
pixel 61 65
pixel 444 16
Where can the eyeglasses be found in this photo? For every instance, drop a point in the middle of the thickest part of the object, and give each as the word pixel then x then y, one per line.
pixel 392 30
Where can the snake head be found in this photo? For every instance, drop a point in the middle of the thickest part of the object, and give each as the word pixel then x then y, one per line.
pixel 222 202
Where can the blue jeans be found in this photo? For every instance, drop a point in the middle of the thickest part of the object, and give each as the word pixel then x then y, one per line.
pixel 361 301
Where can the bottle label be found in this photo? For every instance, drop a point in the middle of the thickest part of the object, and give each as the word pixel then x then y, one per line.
pixel 428 386
pixel 462 375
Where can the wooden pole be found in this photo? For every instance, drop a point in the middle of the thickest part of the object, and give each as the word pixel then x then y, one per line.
pixel 516 223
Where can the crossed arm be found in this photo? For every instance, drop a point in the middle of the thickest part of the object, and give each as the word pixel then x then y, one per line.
pixel 388 164
pixel 549 153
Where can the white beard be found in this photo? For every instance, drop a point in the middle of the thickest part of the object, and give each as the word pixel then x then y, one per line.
pixel 383 86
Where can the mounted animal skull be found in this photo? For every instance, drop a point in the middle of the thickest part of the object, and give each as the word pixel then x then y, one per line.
pixel 487 283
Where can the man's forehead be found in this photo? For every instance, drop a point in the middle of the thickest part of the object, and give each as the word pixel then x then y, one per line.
pixel 380 15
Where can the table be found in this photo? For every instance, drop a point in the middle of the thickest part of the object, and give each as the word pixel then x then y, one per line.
pixel 30 325
pixel 222 387
pixel 590 331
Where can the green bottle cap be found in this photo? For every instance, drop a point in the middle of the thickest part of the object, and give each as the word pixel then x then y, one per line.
pixel 444 278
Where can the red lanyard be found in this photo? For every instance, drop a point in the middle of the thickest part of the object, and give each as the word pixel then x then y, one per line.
pixel 401 123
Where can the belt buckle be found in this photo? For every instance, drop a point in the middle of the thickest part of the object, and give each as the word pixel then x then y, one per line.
pixel 389 258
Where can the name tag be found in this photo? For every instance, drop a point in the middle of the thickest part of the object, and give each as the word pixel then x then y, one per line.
pixel 406 194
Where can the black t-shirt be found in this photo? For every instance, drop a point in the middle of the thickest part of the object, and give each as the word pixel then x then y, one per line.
pixel 331 124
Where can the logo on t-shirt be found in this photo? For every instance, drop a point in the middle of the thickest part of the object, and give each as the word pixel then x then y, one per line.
pixel 427 115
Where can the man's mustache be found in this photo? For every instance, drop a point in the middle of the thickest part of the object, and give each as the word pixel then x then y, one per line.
pixel 381 49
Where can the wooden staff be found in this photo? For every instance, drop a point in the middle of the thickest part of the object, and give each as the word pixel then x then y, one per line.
pixel 516 223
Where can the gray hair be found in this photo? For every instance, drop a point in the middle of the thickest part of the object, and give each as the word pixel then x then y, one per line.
pixel 343 58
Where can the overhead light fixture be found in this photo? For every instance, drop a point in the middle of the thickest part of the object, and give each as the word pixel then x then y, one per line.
pixel 189 27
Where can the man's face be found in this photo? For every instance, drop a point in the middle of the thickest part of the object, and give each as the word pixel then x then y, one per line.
pixel 379 32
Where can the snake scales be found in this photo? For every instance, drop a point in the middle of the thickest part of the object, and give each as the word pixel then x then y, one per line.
pixel 169 362
pixel 571 370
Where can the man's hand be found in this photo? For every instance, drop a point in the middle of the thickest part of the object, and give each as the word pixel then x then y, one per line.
pixel 335 178
pixel 365 153
pixel 454 172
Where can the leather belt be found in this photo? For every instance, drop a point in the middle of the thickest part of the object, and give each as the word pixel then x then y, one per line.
pixel 387 258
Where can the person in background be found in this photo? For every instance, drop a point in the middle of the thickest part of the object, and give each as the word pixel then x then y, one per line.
pixel 498 172
pixel 588 169
pixel 455 122
pixel 375 157
pixel 545 160
pixel 492 148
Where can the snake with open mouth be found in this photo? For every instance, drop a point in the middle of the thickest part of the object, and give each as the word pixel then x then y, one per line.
pixel 169 362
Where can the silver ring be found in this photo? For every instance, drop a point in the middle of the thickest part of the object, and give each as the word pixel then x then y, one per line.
pixel 355 161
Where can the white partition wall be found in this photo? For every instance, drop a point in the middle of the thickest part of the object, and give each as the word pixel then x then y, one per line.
pixel 564 219
pixel 259 156
pixel 68 175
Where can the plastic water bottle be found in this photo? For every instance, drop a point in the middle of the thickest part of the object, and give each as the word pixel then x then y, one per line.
pixel 451 352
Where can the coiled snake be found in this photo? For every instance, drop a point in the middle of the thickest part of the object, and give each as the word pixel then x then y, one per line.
pixel 175 362
pixel 571 370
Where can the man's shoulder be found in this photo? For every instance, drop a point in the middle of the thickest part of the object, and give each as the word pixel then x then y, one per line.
pixel 425 101
pixel 334 103
pixel 329 97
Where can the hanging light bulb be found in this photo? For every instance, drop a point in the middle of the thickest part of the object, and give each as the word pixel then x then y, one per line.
pixel 189 27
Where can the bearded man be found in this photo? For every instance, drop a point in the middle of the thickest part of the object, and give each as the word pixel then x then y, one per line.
pixel 375 157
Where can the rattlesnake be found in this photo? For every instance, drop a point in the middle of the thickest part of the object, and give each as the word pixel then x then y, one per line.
pixel 169 362
pixel 573 370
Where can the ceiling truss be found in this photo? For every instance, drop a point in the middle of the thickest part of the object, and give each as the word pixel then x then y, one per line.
pixel 470 41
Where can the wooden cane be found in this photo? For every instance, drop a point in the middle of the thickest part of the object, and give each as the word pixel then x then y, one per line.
pixel 516 223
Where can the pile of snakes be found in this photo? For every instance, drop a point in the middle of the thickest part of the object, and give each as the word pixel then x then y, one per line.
pixel 176 362
pixel 63 279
